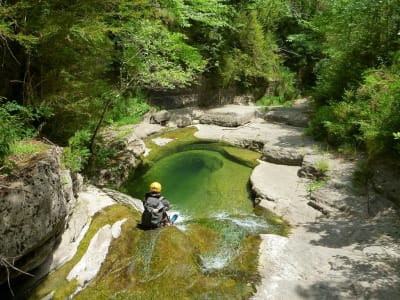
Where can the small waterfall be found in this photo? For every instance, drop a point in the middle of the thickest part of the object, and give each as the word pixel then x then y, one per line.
pixel 143 253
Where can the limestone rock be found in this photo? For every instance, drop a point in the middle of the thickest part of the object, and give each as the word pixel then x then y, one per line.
pixel 297 115
pixel 229 116
pixel 279 189
pixel 386 180
pixel 124 199
pixel 283 155
pixel 87 268
pixel 160 117
pixel 90 201
pixel 125 146
pixel 34 210
pixel 182 121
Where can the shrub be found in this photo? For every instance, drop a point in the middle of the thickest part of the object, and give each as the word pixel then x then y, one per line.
pixel 77 153
pixel 16 123
pixel 128 110
pixel 365 117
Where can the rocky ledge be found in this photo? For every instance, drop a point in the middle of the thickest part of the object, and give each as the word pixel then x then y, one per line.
pixel 344 244
pixel 36 200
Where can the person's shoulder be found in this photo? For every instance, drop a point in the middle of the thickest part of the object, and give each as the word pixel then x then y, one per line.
pixel 165 201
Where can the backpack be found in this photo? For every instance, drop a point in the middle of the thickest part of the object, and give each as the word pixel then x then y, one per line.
pixel 152 219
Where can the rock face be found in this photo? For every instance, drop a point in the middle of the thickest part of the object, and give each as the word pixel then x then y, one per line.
pixel 385 180
pixel 206 94
pixel 124 146
pixel 33 209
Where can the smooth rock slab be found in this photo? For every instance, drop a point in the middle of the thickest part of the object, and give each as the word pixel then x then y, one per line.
pixel 284 156
pixel 89 202
pixel 89 265
pixel 229 115
pixel 282 191
pixel 293 269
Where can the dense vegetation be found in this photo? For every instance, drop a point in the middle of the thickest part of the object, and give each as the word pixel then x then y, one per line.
pixel 69 67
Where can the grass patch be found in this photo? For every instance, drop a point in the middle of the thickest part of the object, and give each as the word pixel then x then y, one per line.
pixel 322 167
pixel 315 185
pixel 26 149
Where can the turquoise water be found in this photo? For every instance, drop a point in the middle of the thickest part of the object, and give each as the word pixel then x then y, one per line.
pixel 210 192
pixel 199 184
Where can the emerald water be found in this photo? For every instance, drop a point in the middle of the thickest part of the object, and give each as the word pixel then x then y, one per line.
pixel 199 184
pixel 209 189
pixel 210 253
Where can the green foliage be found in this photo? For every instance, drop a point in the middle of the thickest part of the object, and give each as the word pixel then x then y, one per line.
pixel 68 55
pixel 16 124
pixel 367 117
pixel 314 185
pixel 322 167
pixel 10 130
pixel 358 35
pixel 254 57
pixel 77 153
pixel 128 110
pixel 268 101
pixel 156 58
pixel 396 136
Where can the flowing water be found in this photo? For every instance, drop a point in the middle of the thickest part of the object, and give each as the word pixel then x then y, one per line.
pixel 210 253
pixel 209 189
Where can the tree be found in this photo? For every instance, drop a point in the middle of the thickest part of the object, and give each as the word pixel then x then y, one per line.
pixel 359 35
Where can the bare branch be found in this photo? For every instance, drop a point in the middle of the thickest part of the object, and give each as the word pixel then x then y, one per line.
pixel 7 265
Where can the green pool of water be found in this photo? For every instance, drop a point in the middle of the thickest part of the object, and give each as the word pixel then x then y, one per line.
pixel 208 186
pixel 199 184
pixel 211 253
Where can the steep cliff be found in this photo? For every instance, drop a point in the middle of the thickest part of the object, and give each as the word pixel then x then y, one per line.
pixel 36 199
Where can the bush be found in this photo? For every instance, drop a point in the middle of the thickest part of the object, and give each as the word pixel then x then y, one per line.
pixel 77 153
pixel 16 123
pixel 128 110
pixel 368 117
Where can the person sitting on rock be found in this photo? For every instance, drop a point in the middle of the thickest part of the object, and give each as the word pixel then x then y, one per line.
pixel 155 208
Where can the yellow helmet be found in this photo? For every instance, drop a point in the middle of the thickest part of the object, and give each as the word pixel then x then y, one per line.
pixel 155 187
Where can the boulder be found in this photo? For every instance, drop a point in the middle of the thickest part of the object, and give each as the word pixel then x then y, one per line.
pixel 292 156
pixel 385 180
pixel 125 147
pixel 34 208
pixel 124 199
pixel 229 115
pixel 298 115
pixel 182 121
pixel 160 117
